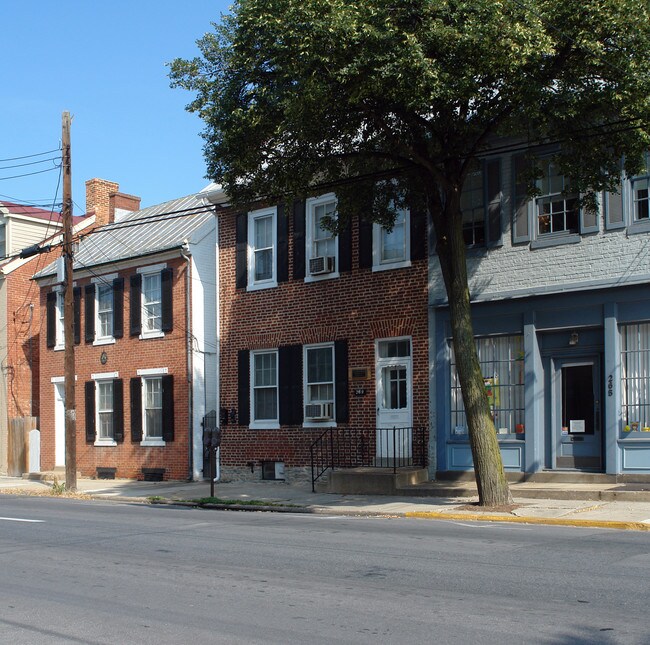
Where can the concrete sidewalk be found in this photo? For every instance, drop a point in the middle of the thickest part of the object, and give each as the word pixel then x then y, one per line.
pixel 281 496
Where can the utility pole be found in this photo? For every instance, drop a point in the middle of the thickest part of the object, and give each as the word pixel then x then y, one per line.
pixel 68 313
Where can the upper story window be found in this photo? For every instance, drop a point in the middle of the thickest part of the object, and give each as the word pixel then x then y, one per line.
pixel 104 303
pixel 151 301
pixel 321 244
pixel 557 210
pixel 60 320
pixel 262 244
pixel 3 240
pixel 391 248
pixel 55 317
pixel 105 311
pixel 264 388
pixel 472 204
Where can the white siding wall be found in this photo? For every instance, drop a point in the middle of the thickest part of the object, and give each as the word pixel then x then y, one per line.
pixel 606 256
pixel 21 233
pixel 3 377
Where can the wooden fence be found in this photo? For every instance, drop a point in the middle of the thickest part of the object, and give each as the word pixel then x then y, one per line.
pixel 18 444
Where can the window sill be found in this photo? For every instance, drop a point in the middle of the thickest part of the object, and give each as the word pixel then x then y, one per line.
pixel 58 348
pixel 387 266
pixel 555 240
pixel 152 334
pixel 261 425
pixel 320 278
pixel 639 226
pixel 260 286
pixel 153 443
pixel 316 424
pixel 104 341
pixel 105 443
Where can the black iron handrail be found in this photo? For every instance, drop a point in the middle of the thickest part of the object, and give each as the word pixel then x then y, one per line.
pixel 374 447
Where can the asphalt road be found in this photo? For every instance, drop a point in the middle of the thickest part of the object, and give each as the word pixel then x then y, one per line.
pixel 100 572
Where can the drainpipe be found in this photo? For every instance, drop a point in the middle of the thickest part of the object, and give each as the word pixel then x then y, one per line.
pixel 217 476
pixel 188 335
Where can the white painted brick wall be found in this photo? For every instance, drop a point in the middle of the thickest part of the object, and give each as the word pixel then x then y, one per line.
pixel 612 256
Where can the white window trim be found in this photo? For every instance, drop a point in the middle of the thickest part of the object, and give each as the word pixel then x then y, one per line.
pixel 377 264
pixel 146 271
pixel 104 281
pixel 60 329
pixel 100 378
pixel 152 371
pixel 60 379
pixel 252 284
pixel 318 424
pixel 145 374
pixel 272 424
pixel 310 206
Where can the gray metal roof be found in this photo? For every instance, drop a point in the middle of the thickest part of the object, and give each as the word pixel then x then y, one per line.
pixel 151 230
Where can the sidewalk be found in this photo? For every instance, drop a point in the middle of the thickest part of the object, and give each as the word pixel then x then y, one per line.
pixel 281 496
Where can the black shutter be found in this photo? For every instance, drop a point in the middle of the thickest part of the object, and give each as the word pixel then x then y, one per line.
pixel 341 376
pixel 136 409
pixel 118 410
pixel 299 239
pixel 243 386
pixel 493 181
pixel 418 235
pixel 241 250
pixel 520 223
pixel 76 296
pixel 283 244
pixel 290 377
pixel 168 408
pixel 296 385
pixel 89 312
pixel 135 308
pixel 167 308
pixel 365 244
pixel 50 312
pixel 90 411
pixel 118 307
pixel 345 247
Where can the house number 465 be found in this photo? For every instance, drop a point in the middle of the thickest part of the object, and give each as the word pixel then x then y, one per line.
pixel 610 385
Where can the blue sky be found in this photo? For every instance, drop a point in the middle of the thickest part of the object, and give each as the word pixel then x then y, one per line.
pixel 104 62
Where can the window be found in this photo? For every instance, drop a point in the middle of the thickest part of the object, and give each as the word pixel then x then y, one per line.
pixel 151 303
pixel 60 316
pixel 557 210
pixel 319 383
pixel 502 365
pixel 472 204
pixel 640 186
pixel 635 377
pixel 104 409
pixel 264 381
pixel 104 311
pixel 152 407
pixel 321 244
pixel 3 240
pixel 262 232
pixel 151 310
pixel 391 249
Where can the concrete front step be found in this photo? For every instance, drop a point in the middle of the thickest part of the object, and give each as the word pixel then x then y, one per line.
pixel 374 481
pixel 49 475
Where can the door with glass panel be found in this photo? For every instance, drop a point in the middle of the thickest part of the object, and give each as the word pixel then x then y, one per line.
pixel 394 392
pixel 576 418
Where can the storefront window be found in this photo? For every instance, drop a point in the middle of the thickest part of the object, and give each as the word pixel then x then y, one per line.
pixel 502 365
pixel 635 377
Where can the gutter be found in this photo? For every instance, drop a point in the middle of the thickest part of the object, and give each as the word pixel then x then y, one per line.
pixel 185 254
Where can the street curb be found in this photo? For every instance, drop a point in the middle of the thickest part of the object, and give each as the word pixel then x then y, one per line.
pixel 552 521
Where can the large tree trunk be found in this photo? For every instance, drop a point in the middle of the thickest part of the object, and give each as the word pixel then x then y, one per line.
pixel 491 481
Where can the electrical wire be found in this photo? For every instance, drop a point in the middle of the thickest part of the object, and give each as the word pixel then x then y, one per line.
pixel 38 154
pixel 29 174
pixel 30 163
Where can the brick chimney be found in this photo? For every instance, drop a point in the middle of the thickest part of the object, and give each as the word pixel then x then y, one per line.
pixel 103 198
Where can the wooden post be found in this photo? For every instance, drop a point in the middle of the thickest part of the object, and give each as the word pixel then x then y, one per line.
pixel 68 313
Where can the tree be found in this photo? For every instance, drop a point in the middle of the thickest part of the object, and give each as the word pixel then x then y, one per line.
pixel 395 102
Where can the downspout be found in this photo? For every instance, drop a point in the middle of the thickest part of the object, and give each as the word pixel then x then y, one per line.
pixel 31 360
pixel 218 343
pixel 188 335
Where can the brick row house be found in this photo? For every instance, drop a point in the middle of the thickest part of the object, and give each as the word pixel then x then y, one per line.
pixel 321 335
pixel 561 314
pixel 22 227
pixel 145 340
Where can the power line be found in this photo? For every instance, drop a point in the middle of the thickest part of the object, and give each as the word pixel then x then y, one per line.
pixel 38 154
pixel 28 174
pixel 29 163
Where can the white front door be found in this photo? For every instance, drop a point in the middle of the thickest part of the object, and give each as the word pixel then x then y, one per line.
pixel 394 391
pixel 59 424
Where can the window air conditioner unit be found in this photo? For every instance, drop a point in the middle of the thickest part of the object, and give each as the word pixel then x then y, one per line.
pixel 318 411
pixel 321 264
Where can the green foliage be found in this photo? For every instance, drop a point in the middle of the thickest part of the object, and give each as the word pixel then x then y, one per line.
pixel 300 95
pixel 58 488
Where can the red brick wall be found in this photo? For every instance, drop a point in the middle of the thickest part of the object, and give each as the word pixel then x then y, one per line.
pixel 360 306
pixel 23 329
pixel 126 356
